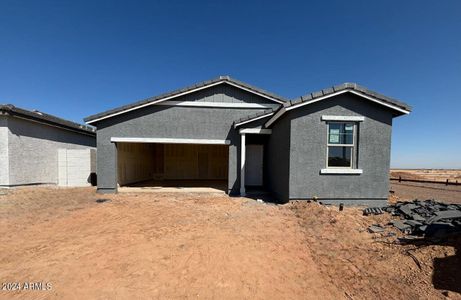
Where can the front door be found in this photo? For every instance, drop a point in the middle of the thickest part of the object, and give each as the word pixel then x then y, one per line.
pixel 254 165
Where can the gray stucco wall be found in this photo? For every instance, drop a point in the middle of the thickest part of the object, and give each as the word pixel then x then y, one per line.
pixel 33 150
pixel 4 169
pixel 278 160
pixel 224 93
pixel 176 122
pixel 308 151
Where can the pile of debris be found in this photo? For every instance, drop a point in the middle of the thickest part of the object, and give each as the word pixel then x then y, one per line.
pixel 428 218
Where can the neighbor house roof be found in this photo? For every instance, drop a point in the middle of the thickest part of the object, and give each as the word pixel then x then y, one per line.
pixel 183 91
pixel 399 107
pixel 37 116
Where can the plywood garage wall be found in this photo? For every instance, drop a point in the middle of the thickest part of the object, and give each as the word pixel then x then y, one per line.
pixel 141 162
pixel 196 161
pixel 136 162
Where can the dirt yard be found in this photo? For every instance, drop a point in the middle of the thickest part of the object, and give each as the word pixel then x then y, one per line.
pixel 208 247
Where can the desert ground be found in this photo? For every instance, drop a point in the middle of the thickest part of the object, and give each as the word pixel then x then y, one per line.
pixel 428 174
pixel 210 246
pixel 423 191
pixel 416 190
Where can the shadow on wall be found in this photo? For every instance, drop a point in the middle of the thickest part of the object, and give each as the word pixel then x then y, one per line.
pixel 234 183
pixel 21 128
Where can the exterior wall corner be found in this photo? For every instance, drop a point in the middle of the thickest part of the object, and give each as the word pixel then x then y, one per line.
pixel 4 151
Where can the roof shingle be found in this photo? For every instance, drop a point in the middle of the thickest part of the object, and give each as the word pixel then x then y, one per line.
pixel 347 86
pixel 45 118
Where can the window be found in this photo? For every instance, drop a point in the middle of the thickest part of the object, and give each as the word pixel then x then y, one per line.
pixel 340 145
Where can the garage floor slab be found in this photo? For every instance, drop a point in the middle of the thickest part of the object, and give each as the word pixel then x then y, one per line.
pixel 177 186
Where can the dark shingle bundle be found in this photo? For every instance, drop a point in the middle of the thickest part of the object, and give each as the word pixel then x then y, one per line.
pixel 427 217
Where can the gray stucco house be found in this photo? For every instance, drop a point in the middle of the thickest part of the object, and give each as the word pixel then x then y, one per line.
pixel 30 146
pixel 333 144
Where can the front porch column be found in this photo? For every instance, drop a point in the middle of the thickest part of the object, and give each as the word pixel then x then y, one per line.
pixel 242 165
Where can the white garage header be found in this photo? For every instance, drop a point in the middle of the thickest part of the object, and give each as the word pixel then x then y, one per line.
pixel 168 141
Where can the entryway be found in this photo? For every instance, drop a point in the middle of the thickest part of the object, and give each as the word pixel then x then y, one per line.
pixel 252 143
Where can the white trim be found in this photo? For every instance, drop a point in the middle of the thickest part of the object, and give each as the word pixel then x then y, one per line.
pixel 254 119
pixel 168 141
pixel 381 102
pixel 353 146
pixel 182 94
pixel 218 104
pixel 242 165
pixel 340 171
pixel 274 118
pixel 256 131
pixel 343 118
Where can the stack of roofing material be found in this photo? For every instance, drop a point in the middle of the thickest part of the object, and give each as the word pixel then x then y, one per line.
pixel 427 217
pixel 372 211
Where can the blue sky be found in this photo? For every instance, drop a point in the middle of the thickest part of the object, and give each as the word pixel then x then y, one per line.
pixel 77 58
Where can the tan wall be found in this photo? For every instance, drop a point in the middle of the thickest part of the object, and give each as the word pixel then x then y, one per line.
pixel 196 161
pixel 135 162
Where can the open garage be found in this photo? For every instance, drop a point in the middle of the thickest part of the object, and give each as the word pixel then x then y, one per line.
pixel 153 166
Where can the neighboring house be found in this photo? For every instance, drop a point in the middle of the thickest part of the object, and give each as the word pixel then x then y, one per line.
pixel 37 148
pixel 333 144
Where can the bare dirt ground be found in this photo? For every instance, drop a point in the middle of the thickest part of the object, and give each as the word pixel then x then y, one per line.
pixel 428 174
pixel 209 247
pixel 165 246
pixel 373 266
pixel 424 191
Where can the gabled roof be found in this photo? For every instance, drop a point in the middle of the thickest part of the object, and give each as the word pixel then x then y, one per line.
pixel 183 91
pixel 37 116
pixel 400 108
pixel 250 118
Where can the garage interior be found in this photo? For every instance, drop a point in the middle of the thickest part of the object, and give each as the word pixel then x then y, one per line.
pixel 170 167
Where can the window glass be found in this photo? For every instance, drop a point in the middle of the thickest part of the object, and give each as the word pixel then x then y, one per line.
pixel 341 133
pixel 339 156
pixel 348 134
pixel 334 133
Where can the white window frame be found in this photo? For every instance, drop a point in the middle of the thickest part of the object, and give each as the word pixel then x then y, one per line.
pixel 353 145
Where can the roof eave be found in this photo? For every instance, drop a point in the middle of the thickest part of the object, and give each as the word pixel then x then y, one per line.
pixel 46 119
pixel 167 96
pixel 398 107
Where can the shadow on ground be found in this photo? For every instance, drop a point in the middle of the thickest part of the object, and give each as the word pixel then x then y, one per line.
pixel 446 270
pixel 260 194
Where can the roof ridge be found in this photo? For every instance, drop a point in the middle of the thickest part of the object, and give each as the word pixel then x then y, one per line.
pixel 177 92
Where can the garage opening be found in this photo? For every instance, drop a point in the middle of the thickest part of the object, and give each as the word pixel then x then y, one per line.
pixel 172 167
